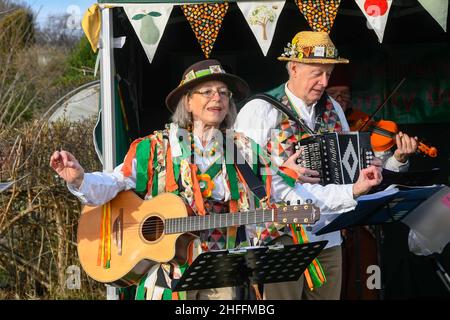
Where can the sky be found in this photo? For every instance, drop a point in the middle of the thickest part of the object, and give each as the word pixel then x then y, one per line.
pixel 45 7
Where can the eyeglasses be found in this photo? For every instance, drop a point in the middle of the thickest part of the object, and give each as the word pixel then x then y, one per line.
pixel 209 93
pixel 345 95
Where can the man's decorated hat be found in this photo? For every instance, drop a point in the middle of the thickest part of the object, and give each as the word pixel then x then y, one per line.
pixel 312 47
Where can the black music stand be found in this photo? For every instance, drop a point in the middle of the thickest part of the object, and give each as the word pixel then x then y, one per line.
pixel 376 209
pixel 247 266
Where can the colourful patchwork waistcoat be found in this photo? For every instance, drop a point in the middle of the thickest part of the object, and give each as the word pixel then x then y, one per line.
pixel 280 147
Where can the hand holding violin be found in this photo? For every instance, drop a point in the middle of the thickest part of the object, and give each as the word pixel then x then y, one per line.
pixel 406 146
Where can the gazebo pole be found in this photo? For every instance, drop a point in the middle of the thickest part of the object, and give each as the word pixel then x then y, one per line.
pixel 108 107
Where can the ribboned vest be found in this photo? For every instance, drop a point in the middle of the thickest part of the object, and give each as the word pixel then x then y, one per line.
pixel 280 147
pixel 288 133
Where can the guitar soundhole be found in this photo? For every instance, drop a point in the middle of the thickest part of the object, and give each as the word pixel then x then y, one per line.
pixel 153 228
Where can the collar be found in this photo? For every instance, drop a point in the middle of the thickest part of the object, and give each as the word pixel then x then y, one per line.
pixel 297 102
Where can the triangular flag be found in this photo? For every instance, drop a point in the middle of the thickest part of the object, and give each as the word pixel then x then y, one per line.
pixel 205 20
pixel 149 22
pixel 376 12
pixel 438 10
pixel 262 19
pixel 320 14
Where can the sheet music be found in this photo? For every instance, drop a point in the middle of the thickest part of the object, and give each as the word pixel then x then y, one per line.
pixel 327 218
pixel 392 189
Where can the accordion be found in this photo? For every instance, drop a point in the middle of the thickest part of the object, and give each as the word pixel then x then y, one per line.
pixel 338 157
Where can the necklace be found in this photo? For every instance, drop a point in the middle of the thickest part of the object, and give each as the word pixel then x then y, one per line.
pixel 205 153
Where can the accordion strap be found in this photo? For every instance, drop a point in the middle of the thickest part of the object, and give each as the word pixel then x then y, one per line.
pixel 320 108
pixel 281 107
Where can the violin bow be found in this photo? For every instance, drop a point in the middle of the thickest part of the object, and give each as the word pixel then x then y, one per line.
pixel 383 104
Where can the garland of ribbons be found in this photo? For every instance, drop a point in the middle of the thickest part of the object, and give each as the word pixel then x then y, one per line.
pixel 314 275
pixel 104 249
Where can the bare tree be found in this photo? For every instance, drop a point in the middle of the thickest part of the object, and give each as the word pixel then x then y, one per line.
pixel 16 95
pixel 59 30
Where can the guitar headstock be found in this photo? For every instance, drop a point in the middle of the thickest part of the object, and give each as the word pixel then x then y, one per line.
pixel 306 213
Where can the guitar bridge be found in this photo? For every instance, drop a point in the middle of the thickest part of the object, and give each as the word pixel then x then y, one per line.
pixel 118 232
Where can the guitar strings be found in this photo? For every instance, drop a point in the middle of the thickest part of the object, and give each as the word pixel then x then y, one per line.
pixel 155 226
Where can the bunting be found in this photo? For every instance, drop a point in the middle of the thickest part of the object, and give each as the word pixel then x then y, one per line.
pixel 149 22
pixel 262 19
pixel 376 12
pixel 438 10
pixel 205 20
pixel 320 14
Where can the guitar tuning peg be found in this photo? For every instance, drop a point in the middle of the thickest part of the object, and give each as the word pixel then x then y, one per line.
pixel 288 203
pixel 298 201
pixel 309 201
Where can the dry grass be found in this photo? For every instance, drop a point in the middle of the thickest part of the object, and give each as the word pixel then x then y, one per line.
pixel 38 216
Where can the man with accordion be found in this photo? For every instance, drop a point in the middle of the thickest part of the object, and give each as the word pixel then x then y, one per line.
pixel 346 168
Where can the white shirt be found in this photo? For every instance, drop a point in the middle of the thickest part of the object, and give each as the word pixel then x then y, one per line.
pixel 98 188
pixel 256 120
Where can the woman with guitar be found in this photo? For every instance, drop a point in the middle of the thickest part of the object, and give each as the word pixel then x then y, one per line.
pixel 187 159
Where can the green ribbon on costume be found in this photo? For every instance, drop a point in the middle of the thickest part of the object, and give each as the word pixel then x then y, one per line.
pixel 234 190
pixel 314 268
pixel 255 157
pixel 142 158
pixel 155 172
pixel 213 169
pixel 141 290
pixel 232 178
pixel 176 173
pixel 289 180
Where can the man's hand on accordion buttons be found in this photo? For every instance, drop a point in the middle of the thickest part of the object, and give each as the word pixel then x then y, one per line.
pixel 305 175
pixel 368 178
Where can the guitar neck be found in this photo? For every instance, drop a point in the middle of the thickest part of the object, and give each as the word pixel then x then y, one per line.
pixel 197 223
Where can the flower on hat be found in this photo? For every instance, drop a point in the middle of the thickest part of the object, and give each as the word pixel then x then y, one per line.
pixel 290 50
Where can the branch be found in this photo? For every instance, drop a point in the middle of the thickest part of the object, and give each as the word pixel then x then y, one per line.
pixel 25 266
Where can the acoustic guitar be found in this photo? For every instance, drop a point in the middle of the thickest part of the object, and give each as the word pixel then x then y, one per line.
pixel 143 233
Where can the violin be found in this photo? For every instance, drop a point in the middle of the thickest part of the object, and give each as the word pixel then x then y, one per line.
pixel 383 132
